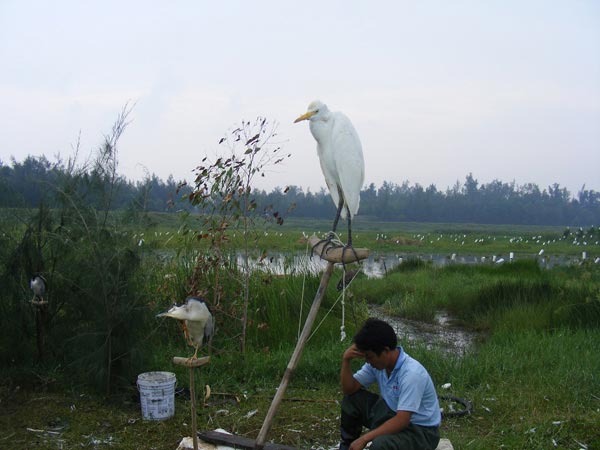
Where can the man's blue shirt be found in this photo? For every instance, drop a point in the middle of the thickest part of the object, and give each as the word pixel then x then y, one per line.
pixel 408 388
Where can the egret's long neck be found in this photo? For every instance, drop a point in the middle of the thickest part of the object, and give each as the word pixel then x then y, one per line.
pixel 321 130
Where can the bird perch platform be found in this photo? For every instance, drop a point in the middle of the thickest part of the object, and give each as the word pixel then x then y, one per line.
pixel 333 254
pixel 39 302
pixel 190 362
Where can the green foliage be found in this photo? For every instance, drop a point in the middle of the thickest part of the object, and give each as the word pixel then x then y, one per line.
pixel 93 315
pixel 579 315
pixel 223 192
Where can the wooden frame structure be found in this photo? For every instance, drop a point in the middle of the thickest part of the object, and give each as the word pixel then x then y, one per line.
pixel 333 255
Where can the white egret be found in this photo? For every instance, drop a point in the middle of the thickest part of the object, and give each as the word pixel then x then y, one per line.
pixel 341 158
pixel 197 318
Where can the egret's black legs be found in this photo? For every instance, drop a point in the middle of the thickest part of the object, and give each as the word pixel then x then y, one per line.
pixel 349 244
pixel 328 240
pixel 339 213
pixel 349 230
pixel 331 235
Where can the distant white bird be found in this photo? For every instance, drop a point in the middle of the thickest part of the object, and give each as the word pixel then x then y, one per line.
pixel 341 157
pixel 198 321
pixel 38 286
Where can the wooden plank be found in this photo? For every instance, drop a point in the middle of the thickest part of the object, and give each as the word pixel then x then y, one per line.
pixel 240 442
pixel 334 254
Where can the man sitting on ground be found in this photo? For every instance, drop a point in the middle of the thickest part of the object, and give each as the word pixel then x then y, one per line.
pixel 406 415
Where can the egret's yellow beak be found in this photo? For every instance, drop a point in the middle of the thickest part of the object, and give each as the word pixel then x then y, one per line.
pixel 305 116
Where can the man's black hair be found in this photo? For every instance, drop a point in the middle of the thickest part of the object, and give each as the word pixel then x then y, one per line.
pixel 375 335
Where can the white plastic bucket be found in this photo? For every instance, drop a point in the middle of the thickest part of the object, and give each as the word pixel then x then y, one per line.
pixel 157 395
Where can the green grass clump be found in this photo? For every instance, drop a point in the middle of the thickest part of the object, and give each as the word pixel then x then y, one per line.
pixel 514 296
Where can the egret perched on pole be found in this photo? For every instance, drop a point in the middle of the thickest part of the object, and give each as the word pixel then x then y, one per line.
pixel 198 321
pixel 38 286
pixel 341 158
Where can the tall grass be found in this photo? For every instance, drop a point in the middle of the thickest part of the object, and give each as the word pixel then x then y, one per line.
pixel 516 296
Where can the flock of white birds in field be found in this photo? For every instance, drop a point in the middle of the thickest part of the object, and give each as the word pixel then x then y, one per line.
pixel 543 247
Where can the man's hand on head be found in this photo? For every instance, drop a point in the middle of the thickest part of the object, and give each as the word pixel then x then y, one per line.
pixel 352 352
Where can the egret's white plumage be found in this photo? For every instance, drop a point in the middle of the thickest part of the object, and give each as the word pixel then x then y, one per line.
pixel 341 158
pixel 198 320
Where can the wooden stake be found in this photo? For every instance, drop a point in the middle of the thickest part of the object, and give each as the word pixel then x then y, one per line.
pixel 193 396
pixel 192 363
pixel 289 371
pixel 41 316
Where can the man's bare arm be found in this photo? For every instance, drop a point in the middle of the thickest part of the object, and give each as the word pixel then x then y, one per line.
pixel 349 383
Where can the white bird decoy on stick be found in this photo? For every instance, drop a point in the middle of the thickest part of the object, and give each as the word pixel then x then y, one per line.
pixel 341 158
pixel 197 319
pixel 38 286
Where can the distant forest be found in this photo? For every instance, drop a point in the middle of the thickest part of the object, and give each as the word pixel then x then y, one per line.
pixel 35 180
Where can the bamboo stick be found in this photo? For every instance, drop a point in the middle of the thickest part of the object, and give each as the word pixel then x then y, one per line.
pixel 289 371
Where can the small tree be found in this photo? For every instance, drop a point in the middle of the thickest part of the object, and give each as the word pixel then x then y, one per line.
pixel 94 304
pixel 223 194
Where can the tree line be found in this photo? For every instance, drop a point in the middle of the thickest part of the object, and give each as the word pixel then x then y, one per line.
pixel 28 183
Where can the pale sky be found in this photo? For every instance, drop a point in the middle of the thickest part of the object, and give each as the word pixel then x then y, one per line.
pixel 507 90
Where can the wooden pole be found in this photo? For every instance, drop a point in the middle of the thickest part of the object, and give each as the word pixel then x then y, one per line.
pixel 193 396
pixel 192 363
pixel 41 314
pixel 289 371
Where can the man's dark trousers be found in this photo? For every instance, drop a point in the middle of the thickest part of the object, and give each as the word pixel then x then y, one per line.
pixel 364 408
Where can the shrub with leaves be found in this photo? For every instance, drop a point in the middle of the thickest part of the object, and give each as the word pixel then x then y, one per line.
pixel 222 193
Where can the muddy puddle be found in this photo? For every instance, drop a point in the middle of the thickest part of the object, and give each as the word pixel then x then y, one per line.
pixel 442 335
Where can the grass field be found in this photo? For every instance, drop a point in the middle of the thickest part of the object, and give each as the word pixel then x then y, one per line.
pixel 533 375
pixel 411 237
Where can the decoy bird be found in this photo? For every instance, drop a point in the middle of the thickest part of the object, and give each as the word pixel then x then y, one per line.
pixel 38 286
pixel 198 321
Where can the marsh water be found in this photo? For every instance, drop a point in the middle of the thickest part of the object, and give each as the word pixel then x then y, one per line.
pixel 376 266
